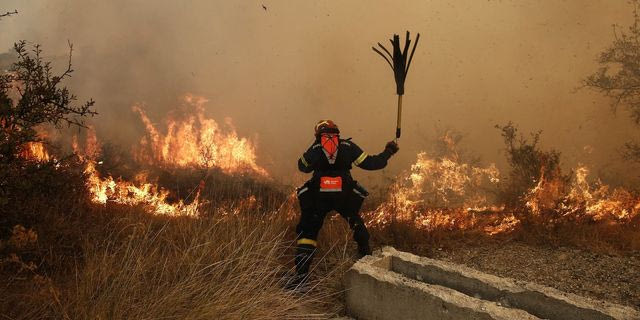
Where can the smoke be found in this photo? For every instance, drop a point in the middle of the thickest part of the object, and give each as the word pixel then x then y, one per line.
pixel 275 72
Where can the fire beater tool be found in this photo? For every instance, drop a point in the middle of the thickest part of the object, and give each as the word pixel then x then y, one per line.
pixel 400 67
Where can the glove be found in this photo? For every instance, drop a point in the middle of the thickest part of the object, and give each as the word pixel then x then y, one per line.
pixel 391 147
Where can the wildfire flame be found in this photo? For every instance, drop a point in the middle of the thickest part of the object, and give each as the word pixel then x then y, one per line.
pixel 137 193
pixel 142 193
pixel 91 149
pixel 438 193
pixel 192 140
pixel 600 203
pixel 35 151
pixel 444 194
pixel 583 201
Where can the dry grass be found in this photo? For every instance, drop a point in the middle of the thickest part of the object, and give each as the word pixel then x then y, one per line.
pixel 118 262
pixel 186 269
pixel 150 268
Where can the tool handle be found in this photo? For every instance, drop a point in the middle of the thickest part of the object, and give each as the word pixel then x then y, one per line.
pixel 398 131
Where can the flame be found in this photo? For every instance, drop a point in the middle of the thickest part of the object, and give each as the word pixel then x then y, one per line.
pixel 546 193
pixel 444 194
pixel 91 149
pixel 437 194
pixel 35 151
pixel 583 201
pixel 598 202
pixel 149 195
pixel 137 193
pixel 192 140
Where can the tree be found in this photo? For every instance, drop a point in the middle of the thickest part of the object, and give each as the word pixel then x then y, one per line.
pixel 32 95
pixel 618 76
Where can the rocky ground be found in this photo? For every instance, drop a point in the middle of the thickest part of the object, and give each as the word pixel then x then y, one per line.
pixel 614 277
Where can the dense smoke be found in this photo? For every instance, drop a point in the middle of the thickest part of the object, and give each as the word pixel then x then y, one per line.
pixel 276 71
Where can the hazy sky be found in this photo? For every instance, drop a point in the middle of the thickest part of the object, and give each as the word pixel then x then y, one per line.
pixel 276 72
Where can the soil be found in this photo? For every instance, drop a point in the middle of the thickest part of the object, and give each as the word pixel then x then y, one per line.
pixel 602 276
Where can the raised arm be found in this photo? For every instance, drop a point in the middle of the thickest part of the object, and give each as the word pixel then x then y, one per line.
pixel 373 162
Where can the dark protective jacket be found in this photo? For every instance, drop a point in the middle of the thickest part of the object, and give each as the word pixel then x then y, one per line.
pixel 348 154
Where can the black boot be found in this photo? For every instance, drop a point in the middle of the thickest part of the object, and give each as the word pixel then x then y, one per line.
pixel 361 236
pixel 298 283
pixel 363 250
pixel 304 256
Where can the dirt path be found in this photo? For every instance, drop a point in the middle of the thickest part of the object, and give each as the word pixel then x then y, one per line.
pixel 615 278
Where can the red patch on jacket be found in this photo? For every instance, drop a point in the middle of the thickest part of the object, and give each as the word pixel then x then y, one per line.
pixel 330 184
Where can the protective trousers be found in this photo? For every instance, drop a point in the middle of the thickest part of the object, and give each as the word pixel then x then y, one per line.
pixel 314 206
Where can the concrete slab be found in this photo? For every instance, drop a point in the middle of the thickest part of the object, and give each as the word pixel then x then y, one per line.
pixel 374 292
pixel 398 285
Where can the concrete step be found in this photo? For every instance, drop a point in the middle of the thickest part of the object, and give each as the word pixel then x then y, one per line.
pixel 398 285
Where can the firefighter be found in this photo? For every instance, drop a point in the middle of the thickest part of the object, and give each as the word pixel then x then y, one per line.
pixel 331 187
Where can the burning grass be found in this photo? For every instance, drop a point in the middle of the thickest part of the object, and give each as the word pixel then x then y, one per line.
pixel 198 230
pixel 556 211
pixel 193 140
pixel 443 198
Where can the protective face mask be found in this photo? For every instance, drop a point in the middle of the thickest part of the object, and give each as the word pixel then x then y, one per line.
pixel 330 144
